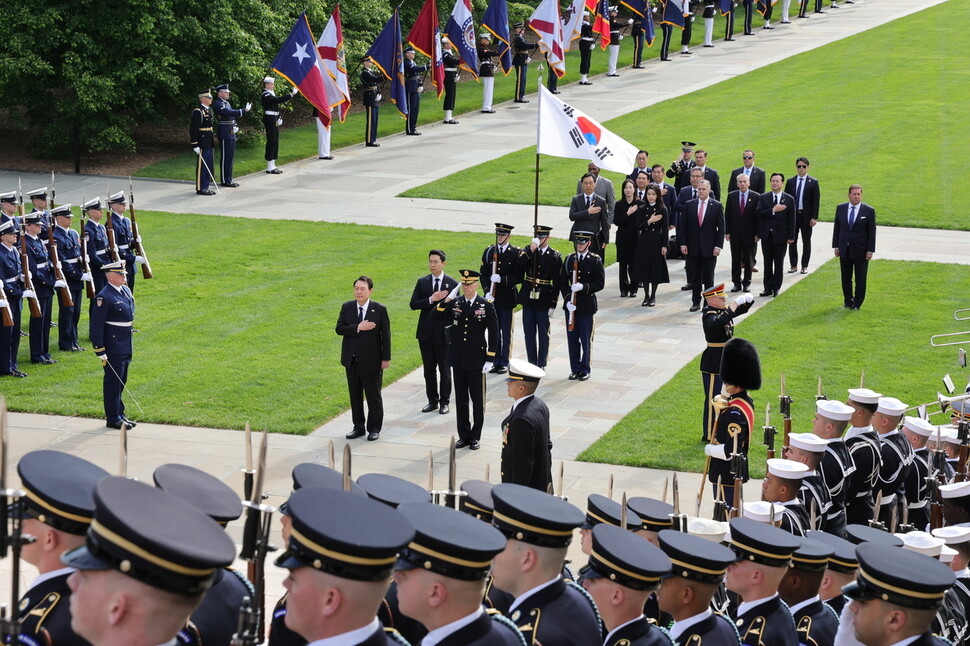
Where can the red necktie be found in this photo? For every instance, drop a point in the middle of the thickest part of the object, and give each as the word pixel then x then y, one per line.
pixel 743 201
pixel 700 214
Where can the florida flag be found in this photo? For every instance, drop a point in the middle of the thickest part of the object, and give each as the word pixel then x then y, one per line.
pixel 547 24
pixel 564 131
pixel 297 62
pixel 334 63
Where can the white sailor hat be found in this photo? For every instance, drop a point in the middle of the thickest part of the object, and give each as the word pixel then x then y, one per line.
pixel 922 543
pixel 947 554
pixel 64 210
pixel 7 228
pixel 808 442
pixel 949 434
pixel 117 198
pixel 38 193
pixel 269 79
pixel 116 267
pixel 834 410
pixel 10 197
pixel 93 203
pixel 955 490
pixel 711 530
pixel 788 469
pixel 761 511
pixel 919 426
pixel 864 395
pixel 520 370
pixel 953 535
pixel 891 406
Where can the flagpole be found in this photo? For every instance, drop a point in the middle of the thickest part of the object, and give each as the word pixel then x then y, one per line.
pixel 535 211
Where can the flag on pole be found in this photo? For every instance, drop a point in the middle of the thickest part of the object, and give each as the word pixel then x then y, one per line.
pixel 762 5
pixel 461 32
pixel 601 23
pixel 298 62
pixel 674 13
pixel 642 9
pixel 564 131
pixel 496 20
pixel 726 6
pixel 425 37
pixel 547 24
pixel 334 63
pixel 388 57
pixel 572 23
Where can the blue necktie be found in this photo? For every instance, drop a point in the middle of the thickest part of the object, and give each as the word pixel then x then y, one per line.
pixel 851 217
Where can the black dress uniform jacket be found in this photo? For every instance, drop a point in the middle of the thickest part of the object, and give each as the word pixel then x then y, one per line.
pixel 112 306
pixel 486 67
pixel 561 614
pixel 816 624
pixel 370 80
pixel 474 332
pixel 521 49
pixel 734 421
pixel 718 329
pixel 768 624
pixel 591 275
pixel 814 495
pixel 489 629
pixel 917 497
pixel 200 127
pixel 836 467
pixel 544 278
pixel 279 633
pixel 526 448
pixel 369 347
pixel 859 487
pixel 46 615
pixel 217 617
pixel 716 630
pixel 639 633
pixel 837 603
pixel 508 268
pixel 778 227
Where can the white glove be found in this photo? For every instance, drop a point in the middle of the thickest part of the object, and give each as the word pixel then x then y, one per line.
pixel 29 293
pixel 715 451
pixel 85 276
pixel 454 293
pixel 486 367
pixel 279 122
pixel 621 36
pixel 4 304
pixel 249 106
pixel 138 239
pixel 103 358
pixel 139 260
pixel 235 129
pixel 294 91
pixel 577 287
pixel 741 300
pixel 570 307
pixel 552 312
pixel 748 298
pixel 496 278
pixel 197 150
pixel 59 283
pixel 536 242
pixel 489 297
pixel 630 21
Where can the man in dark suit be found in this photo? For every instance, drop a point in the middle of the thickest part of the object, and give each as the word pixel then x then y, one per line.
pixel 776 230
pixel 702 227
pixel 474 341
pixel 365 354
pixel 667 192
pixel 686 194
pixel 804 188
pixel 740 228
pixel 854 242
pixel 700 161
pixel 643 165
pixel 756 175
pixel 588 212
pixel 526 448
pixel 428 292
pixel 604 188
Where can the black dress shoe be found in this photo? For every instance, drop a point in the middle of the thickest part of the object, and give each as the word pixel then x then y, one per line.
pixel 573 376
pixel 730 40
pixel 736 288
pixel 786 22
pixel 804 270
pixel 229 184
pixel 373 144
pixel 129 423
pixel 443 409
pixel 624 294
pixel 413 134
pixel 585 82
pixel 638 67
pixel 746 290
pixel 498 370
pixel 646 301
pixel 115 425
pixel 475 445
pixel 451 122
pixel 695 308
pixel 77 348
pixel 488 111
pixel 613 75
pixel 708 45
pixel 665 59
pixel 205 192
pixel 653 302
pixel 521 100
pixel 327 157
pixel 462 443
pixel 354 434
pixel 430 407
pixel 583 376
pixel 372 436
pixel 686 288
pixel 275 171
pixel 774 293
pixel 687 53
pixel 767 292
pixel 22 333
pixel 18 374
pixel 767 27
pixel 555 92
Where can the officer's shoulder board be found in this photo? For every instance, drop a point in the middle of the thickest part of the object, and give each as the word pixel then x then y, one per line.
pixel 507 624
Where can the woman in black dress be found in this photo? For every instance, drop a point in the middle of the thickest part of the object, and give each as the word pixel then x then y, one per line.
pixel 625 218
pixel 650 265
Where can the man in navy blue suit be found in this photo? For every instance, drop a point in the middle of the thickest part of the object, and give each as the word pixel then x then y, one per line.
pixel 854 242
pixel 702 227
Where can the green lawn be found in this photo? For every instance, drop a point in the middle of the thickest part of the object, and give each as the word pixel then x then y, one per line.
pixel 301 142
pixel 238 322
pixel 881 109
pixel 804 334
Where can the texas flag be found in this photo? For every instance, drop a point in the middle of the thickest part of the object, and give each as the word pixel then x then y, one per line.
pixel 333 62
pixel 297 62
pixel 564 131
pixel 547 24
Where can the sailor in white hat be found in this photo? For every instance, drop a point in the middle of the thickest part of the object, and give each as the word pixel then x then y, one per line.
pixel 917 431
pixel 837 467
pixel 896 453
pixel 809 449
pixel 781 484
pixel 863 444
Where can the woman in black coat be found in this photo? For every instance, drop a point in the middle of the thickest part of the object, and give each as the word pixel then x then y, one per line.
pixel 625 218
pixel 650 265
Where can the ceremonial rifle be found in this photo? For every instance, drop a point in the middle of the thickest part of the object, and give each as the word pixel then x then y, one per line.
pixel 256 545
pixel 719 403
pixel 905 527
pixel 720 507
pixel 875 523
pixel 963 430
pixel 739 469
pixel 494 286
pixel 769 434
pixel 123 451
pixel 33 302
pixel 247 630
pixel 63 293
pixel 146 269
pixel 572 297
pixel 347 480
pixel 110 230
pixel 818 394
pixel 784 401
pixel 936 477
pixel 679 519
pixel 248 470
pixel 330 456
pixel 85 265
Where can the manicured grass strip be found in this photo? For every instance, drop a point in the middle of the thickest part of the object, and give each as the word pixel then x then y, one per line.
pixel 301 142
pixel 858 115
pixel 238 323
pixel 805 333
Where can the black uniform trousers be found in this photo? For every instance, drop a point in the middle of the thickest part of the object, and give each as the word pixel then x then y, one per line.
pixel 638 39
pixel 685 35
pixel 113 386
pixel 370 131
pixel 203 176
pixel 414 106
pixel 40 330
pixel 729 24
pixel 585 55
pixel 469 385
pixel 451 85
pixel 667 32
pixel 272 138
pixel 802 227
pixel 535 322
pixel 700 270
pixel 552 82
pixel 504 315
pixel 742 257
pixel 361 384
pixel 521 72
pixel 773 253
pixel 68 317
pixel 748 14
pixel 434 356
pixel 859 268
pixel 227 155
pixel 10 338
pixel 579 341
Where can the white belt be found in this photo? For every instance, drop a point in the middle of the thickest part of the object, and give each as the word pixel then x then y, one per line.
pixel 888 499
pixel 120 323
pixel 100 253
pixel 588 39
pixel 42 265
pixel 11 280
pixel 122 246
pixel 270 113
pixel 918 505
pixel 451 69
pixel 70 261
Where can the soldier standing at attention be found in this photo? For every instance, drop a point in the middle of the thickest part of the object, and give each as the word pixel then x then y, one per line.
pixel 272 121
pixel 11 290
pixel 586 39
pixel 500 262
pixel 226 117
pixel 541 266
pixel 414 85
pixel 486 70
pixel 369 80
pixel 124 236
pixel 200 134
pixel 520 60
pixel 451 63
pixel 589 279
pixel 44 286
pixel 69 253
pixel 718 321
pixel 111 324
